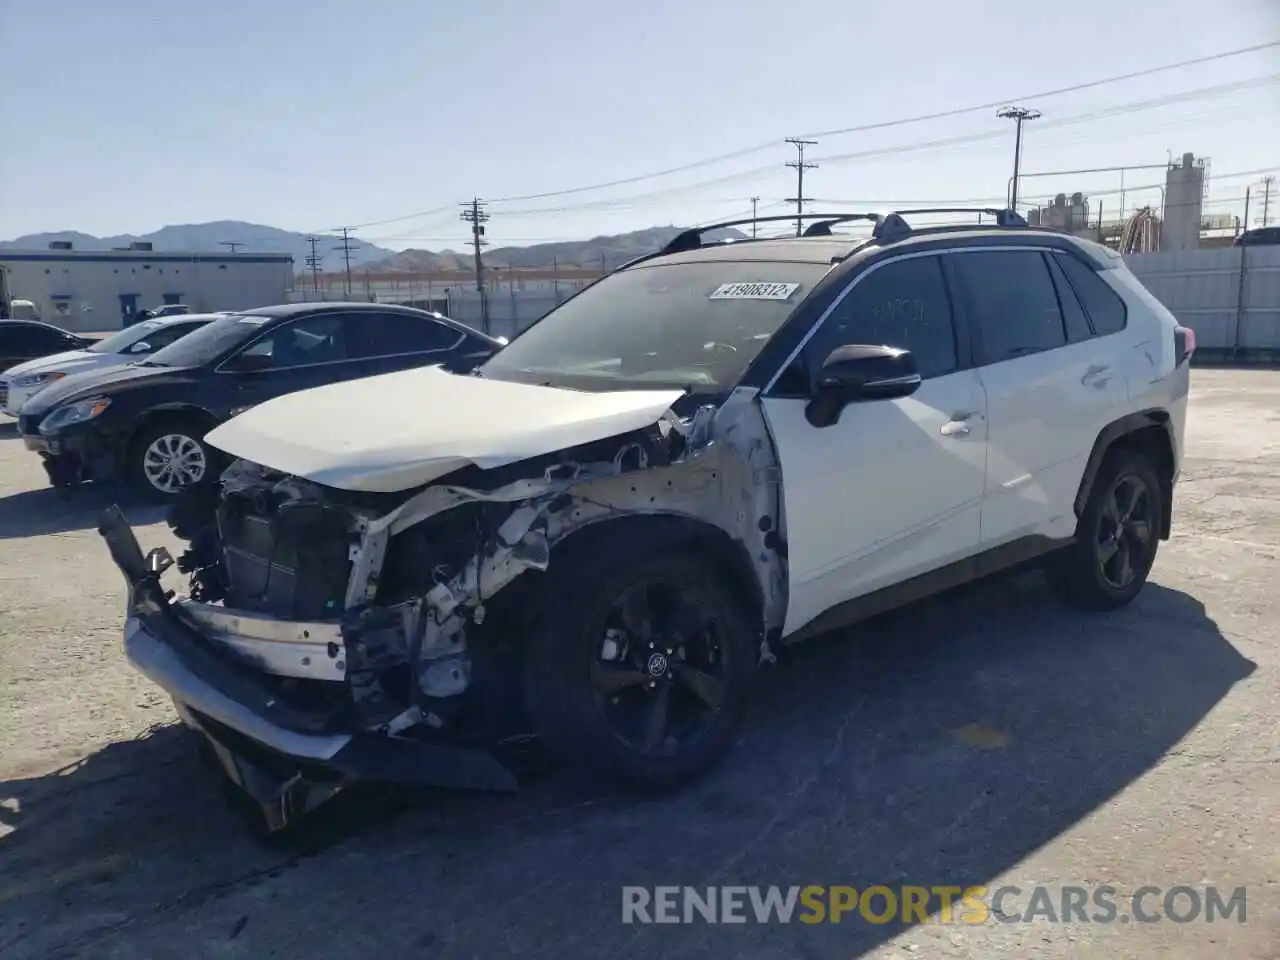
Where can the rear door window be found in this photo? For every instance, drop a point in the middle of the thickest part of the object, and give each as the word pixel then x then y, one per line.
pixel 1011 302
pixel 392 334
pixel 1103 305
pixel 1072 313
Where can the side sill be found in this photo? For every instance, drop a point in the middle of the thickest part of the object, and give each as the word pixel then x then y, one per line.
pixel 1016 553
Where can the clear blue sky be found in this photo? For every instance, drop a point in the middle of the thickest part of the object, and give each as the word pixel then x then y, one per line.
pixel 126 115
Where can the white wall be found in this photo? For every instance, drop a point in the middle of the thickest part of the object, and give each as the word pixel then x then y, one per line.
pixel 93 282
pixel 1230 296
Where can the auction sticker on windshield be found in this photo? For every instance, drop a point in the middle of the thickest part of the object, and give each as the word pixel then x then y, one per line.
pixel 754 291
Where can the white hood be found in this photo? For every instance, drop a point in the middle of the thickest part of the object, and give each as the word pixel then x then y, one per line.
pixel 69 361
pixel 401 430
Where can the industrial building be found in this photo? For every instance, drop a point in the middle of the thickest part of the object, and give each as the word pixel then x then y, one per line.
pixel 1068 215
pixel 1179 223
pixel 98 290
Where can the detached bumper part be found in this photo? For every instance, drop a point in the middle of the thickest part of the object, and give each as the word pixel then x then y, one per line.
pixel 288 758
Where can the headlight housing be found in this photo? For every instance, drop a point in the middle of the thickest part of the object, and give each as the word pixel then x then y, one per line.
pixel 73 413
pixel 37 379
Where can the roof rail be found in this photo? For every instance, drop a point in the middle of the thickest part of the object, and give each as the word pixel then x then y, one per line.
pixel 892 226
pixel 887 227
pixel 692 239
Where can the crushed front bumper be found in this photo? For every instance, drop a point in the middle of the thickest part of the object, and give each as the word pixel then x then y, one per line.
pixel 287 756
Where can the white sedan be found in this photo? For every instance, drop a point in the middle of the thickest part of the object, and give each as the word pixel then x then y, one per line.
pixel 17 384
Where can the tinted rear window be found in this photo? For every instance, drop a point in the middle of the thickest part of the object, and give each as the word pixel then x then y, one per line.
pixel 1103 305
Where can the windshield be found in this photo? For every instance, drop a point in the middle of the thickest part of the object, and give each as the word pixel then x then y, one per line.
pixel 208 343
pixel 122 340
pixel 694 326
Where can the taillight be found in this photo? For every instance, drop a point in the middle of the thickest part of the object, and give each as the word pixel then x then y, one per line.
pixel 1184 343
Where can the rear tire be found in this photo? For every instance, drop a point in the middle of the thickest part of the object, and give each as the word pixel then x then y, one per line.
pixel 167 457
pixel 652 708
pixel 1116 537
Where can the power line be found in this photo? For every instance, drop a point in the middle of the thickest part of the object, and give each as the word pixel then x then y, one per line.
pixel 313 261
pixel 760 172
pixel 1019 115
pixel 861 128
pixel 799 166
pixel 1044 94
pixel 899 203
pixel 475 215
pixel 345 247
pixel 887 124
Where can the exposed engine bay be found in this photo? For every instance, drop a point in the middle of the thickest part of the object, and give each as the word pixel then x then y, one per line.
pixel 405 610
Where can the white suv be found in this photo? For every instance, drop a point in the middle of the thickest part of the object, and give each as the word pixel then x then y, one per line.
pixel 713 451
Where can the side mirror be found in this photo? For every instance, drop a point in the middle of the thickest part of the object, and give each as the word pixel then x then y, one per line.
pixel 857 373
pixel 140 347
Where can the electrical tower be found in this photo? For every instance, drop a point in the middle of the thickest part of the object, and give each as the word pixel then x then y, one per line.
pixel 345 247
pixel 1018 114
pixel 474 214
pixel 1266 199
pixel 800 167
pixel 313 261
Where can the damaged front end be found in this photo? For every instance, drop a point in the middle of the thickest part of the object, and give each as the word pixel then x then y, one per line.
pixel 331 636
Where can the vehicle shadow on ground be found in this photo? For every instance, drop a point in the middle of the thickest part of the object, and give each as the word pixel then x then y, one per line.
pixel 934 746
pixel 8 429
pixel 33 513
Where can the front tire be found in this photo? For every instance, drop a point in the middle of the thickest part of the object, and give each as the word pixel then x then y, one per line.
pixel 168 457
pixel 641 668
pixel 1116 537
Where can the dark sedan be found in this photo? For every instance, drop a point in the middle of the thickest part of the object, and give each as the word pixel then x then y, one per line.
pixel 23 340
pixel 146 422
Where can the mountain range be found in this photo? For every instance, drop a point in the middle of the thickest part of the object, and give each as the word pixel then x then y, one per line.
pixel 246 237
pixel 609 251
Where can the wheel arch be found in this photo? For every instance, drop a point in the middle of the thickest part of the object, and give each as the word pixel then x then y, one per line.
pixel 1149 432
pixel 171 412
pixel 648 533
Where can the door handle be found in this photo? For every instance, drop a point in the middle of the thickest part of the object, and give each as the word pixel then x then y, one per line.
pixel 958 425
pixel 1097 375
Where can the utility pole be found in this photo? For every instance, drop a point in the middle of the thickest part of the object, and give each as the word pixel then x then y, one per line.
pixel 1246 208
pixel 345 247
pixel 1018 114
pixel 800 167
pixel 313 261
pixel 474 214
pixel 1266 199
pixel 754 203
pixel 232 244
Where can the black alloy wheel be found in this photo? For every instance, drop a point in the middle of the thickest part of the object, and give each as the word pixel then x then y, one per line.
pixel 641 667
pixel 1117 535
pixel 661 674
pixel 1125 531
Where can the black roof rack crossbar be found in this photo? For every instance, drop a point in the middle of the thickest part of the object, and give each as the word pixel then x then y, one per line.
pixel 893 224
pixel 692 239
pixel 823 227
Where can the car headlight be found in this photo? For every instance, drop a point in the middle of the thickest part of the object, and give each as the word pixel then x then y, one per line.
pixel 77 412
pixel 37 379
